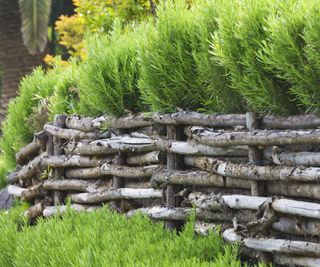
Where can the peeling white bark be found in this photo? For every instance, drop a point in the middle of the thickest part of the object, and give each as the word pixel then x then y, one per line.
pixel 115 194
pixel 274 245
pixel 253 138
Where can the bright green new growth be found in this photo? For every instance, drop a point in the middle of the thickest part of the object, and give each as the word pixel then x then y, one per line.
pixel 103 238
pixel 237 46
pixel 108 78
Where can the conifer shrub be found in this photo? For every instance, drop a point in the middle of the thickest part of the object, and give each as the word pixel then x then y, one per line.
pixel 65 97
pixel 103 238
pixel 292 50
pixel 108 78
pixel 177 66
pixel 218 95
pixel 28 112
pixel 237 46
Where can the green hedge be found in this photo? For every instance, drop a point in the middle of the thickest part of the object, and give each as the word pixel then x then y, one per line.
pixel 108 79
pixel 103 238
pixel 177 68
pixel 27 113
pixel 211 55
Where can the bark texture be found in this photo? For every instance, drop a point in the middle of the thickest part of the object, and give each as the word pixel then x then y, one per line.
pixel 274 245
pixel 28 152
pixel 253 138
pixel 252 172
pixel 115 194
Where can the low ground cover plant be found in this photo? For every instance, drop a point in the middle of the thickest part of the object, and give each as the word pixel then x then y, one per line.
pixel 104 238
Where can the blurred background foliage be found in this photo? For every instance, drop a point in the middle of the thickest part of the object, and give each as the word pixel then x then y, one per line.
pixel 98 17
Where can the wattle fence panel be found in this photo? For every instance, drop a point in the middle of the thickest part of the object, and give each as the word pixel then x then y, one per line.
pixel 257 177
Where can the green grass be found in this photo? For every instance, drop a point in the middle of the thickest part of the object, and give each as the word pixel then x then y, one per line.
pixel 103 238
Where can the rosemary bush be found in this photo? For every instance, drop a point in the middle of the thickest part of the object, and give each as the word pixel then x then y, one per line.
pixel 28 112
pixel 292 50
pixel 240 39
pixel 103 238
pixel 177 69
pixel 108 79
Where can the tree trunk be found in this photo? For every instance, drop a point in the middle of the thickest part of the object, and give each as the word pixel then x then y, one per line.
pixel 15 61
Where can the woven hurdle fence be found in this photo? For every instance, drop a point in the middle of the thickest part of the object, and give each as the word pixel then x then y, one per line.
pixel 257 177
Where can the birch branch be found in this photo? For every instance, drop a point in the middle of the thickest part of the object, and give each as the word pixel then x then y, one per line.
pixel 194 148
pixel 115 194
pixel 296 158
pixel 27 153
pixel 68 134
pixel 148 158
pixel 291 122
pixel 70 184
pixel 190 118
pixel 308 190
pixel 274 245
pixel 15 190
pixel 63 161
pixel 252 172
pixel 253 138
pixel 217 202
pixel 201 178
pixel 84 173
pixel 53 210
pixel 182 214
pixel 284 206
pixel 111 146
pixel 129 172
pixel 289 260
pixel 31 169
pixel 297 226
pixel 198 119
pixel 293 207
pixel 36 210
pixel 33 191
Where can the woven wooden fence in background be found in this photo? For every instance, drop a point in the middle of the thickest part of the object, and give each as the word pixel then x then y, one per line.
pixel 256 176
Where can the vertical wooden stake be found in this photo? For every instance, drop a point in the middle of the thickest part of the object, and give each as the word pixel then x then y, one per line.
pixel 118 182
pixel 172 164
pixel 59 121
pixel 255 154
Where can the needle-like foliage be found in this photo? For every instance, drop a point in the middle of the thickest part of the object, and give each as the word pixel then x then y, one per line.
pixel 242 33
pixel 65 97
pixel 108 83
pixel 177 66
pixel 25 111
pixel 292 50
pixel 103 238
